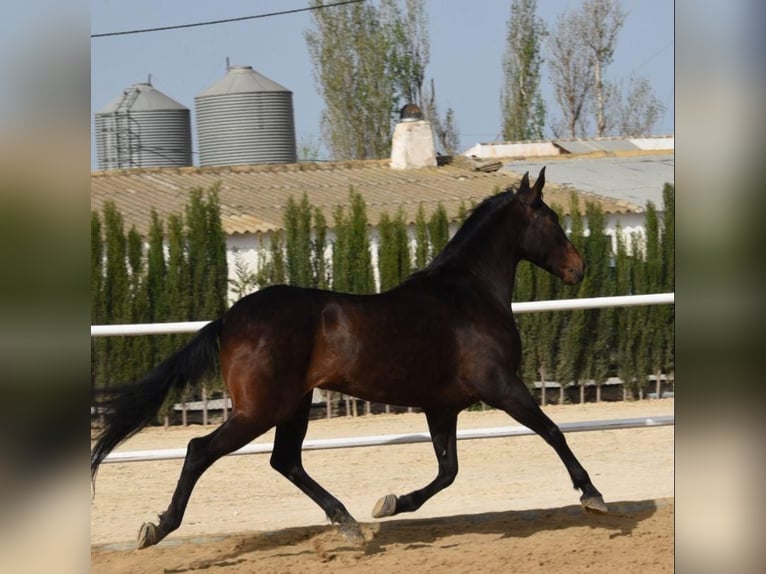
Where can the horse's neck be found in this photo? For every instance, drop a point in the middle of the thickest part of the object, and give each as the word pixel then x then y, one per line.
pixel 495 269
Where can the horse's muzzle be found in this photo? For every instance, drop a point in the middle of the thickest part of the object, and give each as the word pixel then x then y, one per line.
pixel 574 272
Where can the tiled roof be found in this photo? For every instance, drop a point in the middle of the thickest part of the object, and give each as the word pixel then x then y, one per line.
pixel 253 198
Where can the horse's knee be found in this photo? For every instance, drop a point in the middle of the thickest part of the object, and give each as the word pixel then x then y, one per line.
pixel 447 474
pixel 197 453
pixel 284 466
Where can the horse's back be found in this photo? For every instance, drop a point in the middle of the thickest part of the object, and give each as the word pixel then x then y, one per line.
pixel 412 345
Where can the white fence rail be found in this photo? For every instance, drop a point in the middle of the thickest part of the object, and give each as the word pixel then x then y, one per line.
pixel 526 307
pixel 381 440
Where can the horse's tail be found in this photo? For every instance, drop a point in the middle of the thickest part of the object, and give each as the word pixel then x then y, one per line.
pixel 129 408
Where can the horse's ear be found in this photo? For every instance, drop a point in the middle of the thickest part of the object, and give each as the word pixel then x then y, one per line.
pixel 540 183
pixel 523 191
pixel 535 195
pixel 524 185
pixel 532 196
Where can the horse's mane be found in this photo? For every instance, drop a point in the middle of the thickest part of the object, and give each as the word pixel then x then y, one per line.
pixel 478 218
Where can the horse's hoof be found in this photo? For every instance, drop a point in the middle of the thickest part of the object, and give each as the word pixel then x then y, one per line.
pixel 386 506
pixel 148 535
pixel 351 532
pixel 594 504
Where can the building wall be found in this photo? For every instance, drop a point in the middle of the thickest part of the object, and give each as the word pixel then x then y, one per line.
pixel 254 248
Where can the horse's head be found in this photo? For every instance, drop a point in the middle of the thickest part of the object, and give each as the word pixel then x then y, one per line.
pixel 544 242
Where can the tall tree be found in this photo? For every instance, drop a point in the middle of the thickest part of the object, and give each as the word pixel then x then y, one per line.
pixel 640 109
pixel 599 23
pixel 521 102
pixel 352 51
pixel 412 50
pixel 571 74
pixel 369 59
pixel 444 129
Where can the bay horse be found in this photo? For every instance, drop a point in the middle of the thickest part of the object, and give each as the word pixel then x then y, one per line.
pixel 442 340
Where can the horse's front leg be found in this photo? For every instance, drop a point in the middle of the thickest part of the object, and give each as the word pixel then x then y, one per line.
pixel 513 397
pixel 443 429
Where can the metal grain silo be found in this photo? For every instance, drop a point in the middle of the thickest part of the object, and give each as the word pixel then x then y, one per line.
pixel 143 128
pixel 245 118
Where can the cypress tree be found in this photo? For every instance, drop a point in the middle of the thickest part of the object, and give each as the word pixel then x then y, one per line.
pixel 178 275
pixel 573 347
pixel 155 285
pixel 523 290
pixel 402 242
pixel 462 213
pixel 116 291
pixel 360 260
pixel 217 277
pixel 320 278
pixel 340 265
pixel 297 221
pixel 547 325
pixel 197 256
pixel 438 231
pixel 177 295
pixel 394 251
pixel 97 315
pixel 640 314
pixel 599 322
pixel 156 271
pixel 386 252
pixel 668 266
pixel 655 338
pixel 422 247
pixel 137 348
pixel 276 269
pixel 521 102
pixel 626 316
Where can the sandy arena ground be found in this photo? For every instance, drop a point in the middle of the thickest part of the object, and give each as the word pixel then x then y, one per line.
pixel 512 506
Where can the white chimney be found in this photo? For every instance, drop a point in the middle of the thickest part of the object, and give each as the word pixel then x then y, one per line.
pixel 413 142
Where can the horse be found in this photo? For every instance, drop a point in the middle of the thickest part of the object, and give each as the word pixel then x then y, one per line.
pixel 442 340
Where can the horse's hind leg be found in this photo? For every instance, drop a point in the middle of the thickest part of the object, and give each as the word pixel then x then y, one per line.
pixel 286 459
pixel 202 452
pixel 515 399
pixel 443 429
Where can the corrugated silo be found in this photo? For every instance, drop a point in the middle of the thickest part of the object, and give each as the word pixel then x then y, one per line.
pixel 245 118
pixel 143 128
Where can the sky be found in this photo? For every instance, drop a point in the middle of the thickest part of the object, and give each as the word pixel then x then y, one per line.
pixel 467 41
